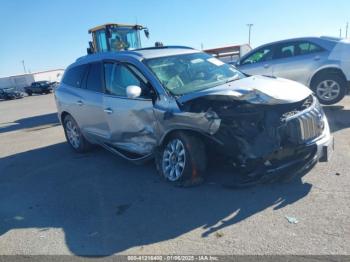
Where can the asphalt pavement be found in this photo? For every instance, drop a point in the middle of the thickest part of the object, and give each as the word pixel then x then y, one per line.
pixel 55 201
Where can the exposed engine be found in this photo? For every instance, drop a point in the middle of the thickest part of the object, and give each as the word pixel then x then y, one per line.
pixel 253 133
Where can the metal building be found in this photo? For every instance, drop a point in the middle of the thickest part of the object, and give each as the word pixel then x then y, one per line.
pixel 20 81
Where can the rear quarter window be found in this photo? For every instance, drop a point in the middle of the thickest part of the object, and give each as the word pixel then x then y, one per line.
pixel 74 75
pixel 94 78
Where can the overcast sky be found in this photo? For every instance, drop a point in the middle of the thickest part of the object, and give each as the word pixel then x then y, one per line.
pixel 52 34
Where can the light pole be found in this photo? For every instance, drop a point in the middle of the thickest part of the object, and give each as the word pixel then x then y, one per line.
pixel 24 67
pixel 346 30
pixel 250 28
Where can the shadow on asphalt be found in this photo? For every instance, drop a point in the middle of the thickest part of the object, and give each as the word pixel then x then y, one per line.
pixel 338 117
pixel 106 205
pixel 35 122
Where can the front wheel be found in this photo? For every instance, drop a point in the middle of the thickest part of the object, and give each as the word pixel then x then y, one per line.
pixel 329 88
pixel 29 93
pixel 74 136
pixel 182 159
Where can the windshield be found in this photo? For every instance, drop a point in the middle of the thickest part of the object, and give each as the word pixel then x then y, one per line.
pixel 182 74
pixel 124 39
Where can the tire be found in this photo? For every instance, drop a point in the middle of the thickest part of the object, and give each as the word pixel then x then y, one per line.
pixel 182 160
pixel 329 88
pixel 29 93
pixel 74 136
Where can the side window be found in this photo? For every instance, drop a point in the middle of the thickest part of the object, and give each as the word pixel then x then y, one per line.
pixel 296 49
pixel 263 54
pixel 74 76
pixel 308 48
pixel 94 78
pixel 101 42
pixel 119 76
pixel 287 50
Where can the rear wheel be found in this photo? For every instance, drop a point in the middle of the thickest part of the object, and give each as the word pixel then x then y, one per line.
pixel 329 88
pixel 74 136
pixel 182 159
pixel 30 93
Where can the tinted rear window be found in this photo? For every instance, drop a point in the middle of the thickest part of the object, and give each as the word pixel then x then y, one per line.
pixel 74 76
pixel 94 79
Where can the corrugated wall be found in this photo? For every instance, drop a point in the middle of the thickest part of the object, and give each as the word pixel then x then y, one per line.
pixel 20 81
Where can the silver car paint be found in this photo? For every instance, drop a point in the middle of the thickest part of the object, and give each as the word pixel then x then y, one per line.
pixel 132 124
pixel 303 67
pixel 139 125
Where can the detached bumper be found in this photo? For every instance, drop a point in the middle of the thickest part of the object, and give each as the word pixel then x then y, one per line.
pixel 318 150
pixel 325 144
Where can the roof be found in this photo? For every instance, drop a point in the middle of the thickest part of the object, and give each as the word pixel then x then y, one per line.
pixel 32 73
pixel 325 42
pixel 225 48
pixel 114 24
pixel 140 54
pixel 154 52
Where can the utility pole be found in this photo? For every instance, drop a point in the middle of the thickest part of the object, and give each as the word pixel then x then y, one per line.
pixel 202 46
pixel 340 32
pixel 346 30
pixel 24 67
pixel 250 28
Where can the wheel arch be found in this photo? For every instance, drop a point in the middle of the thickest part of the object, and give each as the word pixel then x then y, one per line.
pixel 326 70
pixel 63 115
pixel 206 138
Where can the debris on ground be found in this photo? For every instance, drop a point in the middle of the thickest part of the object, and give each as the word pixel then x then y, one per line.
pixel 122 208
pixel 219 234
pixel 292 220
pixel 337 174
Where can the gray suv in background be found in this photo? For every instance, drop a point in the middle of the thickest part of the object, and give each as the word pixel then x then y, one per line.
pixel 321 63
pixel 179 106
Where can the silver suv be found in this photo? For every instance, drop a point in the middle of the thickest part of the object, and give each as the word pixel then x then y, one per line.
pixel 321 63
pixel 179 106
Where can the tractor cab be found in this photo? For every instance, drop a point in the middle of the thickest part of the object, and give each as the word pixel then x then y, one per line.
pixel 115 37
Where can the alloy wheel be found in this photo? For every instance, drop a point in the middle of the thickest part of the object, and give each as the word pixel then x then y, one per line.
pixel 174 160
pixel 328 90
pixel 73 134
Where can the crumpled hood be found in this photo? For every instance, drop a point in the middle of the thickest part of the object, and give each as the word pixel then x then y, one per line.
pixel 256 90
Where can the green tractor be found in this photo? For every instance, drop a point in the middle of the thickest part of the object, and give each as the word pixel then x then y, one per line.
pixel 115 37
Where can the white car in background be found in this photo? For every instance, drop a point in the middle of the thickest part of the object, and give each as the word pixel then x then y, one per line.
pixel 321 63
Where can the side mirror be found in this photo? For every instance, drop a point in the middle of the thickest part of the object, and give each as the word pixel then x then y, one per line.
pixel 237 63
pixel 146 33
pixel 133 91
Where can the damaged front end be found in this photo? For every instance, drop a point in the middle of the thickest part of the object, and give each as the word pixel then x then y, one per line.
pixel 258 133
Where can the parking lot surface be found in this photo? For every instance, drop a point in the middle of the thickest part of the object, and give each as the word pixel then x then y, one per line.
pixel 55 201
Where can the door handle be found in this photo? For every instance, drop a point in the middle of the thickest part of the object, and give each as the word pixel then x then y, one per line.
pixel 80 103
pixel 317 58
pixel 108 110
pixel 266 66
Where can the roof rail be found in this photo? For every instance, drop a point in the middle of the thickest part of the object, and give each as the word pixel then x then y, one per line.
pixel 331 38
pixel 131 52
pixel 163 47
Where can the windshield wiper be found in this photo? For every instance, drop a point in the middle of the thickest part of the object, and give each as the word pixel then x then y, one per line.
pixel 234 78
